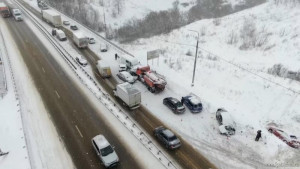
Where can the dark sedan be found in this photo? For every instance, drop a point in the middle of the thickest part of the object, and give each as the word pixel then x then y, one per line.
pixel 167 138
pixel 174 104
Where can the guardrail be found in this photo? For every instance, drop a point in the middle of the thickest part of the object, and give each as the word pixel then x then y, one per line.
pixel 104 98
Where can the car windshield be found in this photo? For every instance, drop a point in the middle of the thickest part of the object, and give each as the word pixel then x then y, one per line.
pixel 107 150
pixel 178 104
pixel 172 138
pixel 17 14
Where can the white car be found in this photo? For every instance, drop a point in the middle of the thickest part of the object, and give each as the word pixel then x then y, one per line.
pixel 122 67
pixel 105 151
pixel 92 41
pixel 66 22
pixel 227 125
pixel 81 61
pixel 127 77
pixel 103 47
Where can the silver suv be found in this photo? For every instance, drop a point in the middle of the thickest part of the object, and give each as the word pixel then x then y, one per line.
pixel 105 151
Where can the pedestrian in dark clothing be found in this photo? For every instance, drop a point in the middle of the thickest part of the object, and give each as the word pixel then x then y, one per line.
pixel 116 56
pixel 181 100
pixel 258 135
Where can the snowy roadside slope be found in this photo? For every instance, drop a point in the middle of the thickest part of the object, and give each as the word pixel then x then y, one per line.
pixel 11 128
pixel 253 101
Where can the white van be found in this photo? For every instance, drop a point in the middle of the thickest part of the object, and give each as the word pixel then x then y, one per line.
pixel 129 61
pixel 105 151
pixel 61 35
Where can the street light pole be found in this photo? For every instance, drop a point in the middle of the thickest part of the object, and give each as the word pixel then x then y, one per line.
pixel 195 57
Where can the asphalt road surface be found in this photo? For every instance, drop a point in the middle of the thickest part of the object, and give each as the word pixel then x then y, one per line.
pixel 76 120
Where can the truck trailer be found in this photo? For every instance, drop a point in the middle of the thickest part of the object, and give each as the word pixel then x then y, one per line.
pixel 4 10
pixel 130 96
pixel 52 17
pixel 80 40
pixel 103 68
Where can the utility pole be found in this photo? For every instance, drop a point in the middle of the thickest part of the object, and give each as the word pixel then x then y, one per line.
pixel 195 57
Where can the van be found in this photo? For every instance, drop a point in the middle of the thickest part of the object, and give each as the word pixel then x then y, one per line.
pixel 105 151
pixel 103 69
pixel 61 35
pixel 129 61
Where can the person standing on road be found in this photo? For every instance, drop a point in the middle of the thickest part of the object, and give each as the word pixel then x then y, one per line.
pixel 116 56
pixel 258 135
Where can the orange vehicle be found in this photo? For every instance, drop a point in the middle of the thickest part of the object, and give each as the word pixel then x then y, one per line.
pixel 151 79
pixel 4 10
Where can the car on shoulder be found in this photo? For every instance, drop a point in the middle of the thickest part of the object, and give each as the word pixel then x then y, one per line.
pixel 175 105
pixel 81 61
pixel 127 77
pixel 74 27
pixel 167 138
pixel 226 123
pixel 290 140
pixel 66 23
pixel 105 151
pixel 192 102
pixel 92 41
pixel 103 47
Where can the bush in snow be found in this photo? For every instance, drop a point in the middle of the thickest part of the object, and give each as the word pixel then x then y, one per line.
pixel 251 36
pixel 281 71
pixel 189 53
pixel 217 21
pixel 232 37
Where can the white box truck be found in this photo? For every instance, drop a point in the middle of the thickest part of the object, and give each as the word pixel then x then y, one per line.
pixel 130 96
pixel 52 17
pixel 103 68
pixel 80 39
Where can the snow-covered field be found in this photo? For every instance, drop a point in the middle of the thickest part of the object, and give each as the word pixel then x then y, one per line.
pixel 234 79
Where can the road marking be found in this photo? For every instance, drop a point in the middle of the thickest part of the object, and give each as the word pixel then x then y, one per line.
pixel 43 70
pixel 79 131
pixel 57 94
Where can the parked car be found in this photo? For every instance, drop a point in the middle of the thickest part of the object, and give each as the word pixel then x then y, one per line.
pixel 74 27
pixel 103 47
pixel 66 22
pixel 92 41
pixel 105 151
pixel 175 105
pixel 167 137
pixel 290 140
pixel 81 61
pixel 227 124
pixel 122 67
pixel 127 77
pixel 192 102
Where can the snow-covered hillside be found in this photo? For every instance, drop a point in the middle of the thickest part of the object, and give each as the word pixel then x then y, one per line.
pixel 232 72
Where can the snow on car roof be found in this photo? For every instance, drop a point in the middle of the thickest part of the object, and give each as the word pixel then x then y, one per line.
pixel 101 141
pixel 168 133
pixel 227 119
pixel 195 100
